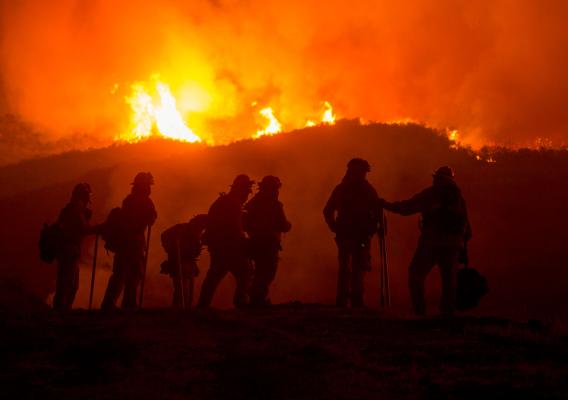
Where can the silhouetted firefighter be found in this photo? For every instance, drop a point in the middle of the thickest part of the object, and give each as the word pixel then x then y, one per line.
pixel 352 213
pixel 227 243
pixel 182 243
pixel 124 234
pixel 73 226
pixel 444 231
pixel 265 222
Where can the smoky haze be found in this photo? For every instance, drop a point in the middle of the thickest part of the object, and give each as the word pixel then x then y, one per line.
pixel 517 208
pixel 493 69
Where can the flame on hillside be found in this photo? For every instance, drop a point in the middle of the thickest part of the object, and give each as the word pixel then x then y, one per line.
pixel 273 125
pixel 327 118
pixel 154 112
pixel 328 115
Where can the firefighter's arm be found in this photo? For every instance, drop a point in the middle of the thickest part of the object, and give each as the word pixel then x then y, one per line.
pixel 284 224
pixel 153 214
pixel 329 210
pixel 408 207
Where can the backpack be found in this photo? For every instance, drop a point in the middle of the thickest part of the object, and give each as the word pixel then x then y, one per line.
pixel 113 229
pixel 50 241
pixel 472 286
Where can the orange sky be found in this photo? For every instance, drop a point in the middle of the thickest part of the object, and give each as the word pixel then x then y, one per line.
pixel 493 69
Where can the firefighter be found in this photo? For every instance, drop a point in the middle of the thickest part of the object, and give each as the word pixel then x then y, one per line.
pixel 74 224
pixel 182 243
pixel 352 213
pixel 137 213
pixel 445 230
pixel 227 243
pixel 265 222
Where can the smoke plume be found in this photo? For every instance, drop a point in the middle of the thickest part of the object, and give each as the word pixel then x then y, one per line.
pixel 495 69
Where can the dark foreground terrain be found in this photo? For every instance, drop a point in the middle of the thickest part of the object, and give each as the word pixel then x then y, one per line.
pixel 291 351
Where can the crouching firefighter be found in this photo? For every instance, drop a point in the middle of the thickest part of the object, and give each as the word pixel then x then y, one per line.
pixel 352 213
pixel 265 222
pixel 124 234
pixel 227 244
pixel 182 243
pixel 444 229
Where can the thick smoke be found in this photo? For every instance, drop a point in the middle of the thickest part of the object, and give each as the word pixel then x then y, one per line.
pixel 493 69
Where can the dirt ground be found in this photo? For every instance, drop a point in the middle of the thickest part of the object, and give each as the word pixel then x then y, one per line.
pixel 291 351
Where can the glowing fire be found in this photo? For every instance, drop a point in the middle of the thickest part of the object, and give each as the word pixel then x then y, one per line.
pixel 154 111
pixel 273 126
pixel 328 116
pixel 155 114
pixel 453 136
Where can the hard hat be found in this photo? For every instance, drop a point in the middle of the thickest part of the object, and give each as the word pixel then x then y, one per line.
pixel 242 181
pixel 80 190
pixel 444 172
pixel 359 163
pixel 143 179
pixel 200 220
pixel 270 182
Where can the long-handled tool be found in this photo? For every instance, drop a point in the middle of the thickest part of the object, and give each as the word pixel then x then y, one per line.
pixel 189 301
pixel 385 298
pixel 93 273
pixel 181 292
pixel 145 265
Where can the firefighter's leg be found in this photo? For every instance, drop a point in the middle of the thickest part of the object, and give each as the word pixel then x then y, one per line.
pixel 74 280
pixel 115 283
pixel 189 284
pixel 176 302
pixel 242 271
pixel 132 279
pixel 448 262
pixel 187 292
pixel 422 263
pixel 361 264
pixel 266 265
pixel 63 283
pixel 217 271
pixel 343 273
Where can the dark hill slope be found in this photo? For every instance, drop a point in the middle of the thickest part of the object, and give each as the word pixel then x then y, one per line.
pixel 517 208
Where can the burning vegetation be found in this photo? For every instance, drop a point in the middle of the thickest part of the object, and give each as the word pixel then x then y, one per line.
pixel 452 65
pixel 155 111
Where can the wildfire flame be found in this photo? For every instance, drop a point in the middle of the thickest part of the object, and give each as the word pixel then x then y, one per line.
pixel 155 114
pixel 273 126
pixel 328 116
pixel 154 111
pixel 453 136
